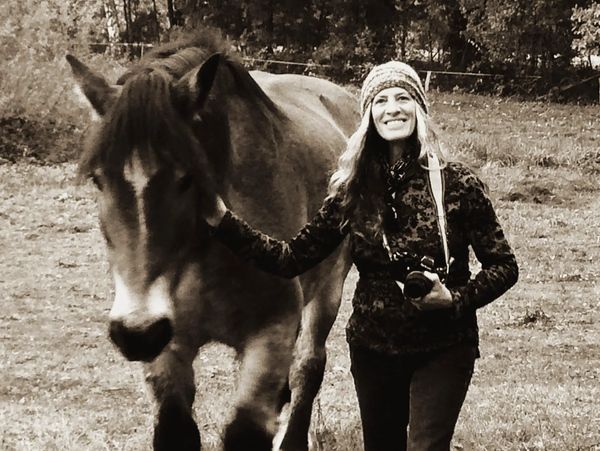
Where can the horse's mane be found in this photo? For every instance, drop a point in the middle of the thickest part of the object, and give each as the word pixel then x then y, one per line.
pixel 145 118
pixel 178 57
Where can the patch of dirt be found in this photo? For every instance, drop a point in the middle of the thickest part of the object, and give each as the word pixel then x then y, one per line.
pixel 537 316
pixel 24 139
pixel 532 191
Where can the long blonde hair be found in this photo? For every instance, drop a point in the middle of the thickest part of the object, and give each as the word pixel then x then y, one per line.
pixel 361 196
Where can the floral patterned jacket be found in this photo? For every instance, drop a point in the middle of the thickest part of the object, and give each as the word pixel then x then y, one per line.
pixel 382 319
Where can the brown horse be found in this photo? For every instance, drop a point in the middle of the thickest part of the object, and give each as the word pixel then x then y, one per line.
pixel 186 121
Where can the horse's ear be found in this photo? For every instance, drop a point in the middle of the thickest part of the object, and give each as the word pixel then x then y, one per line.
pixel 95 87
pixel 191 92
pixel 205 78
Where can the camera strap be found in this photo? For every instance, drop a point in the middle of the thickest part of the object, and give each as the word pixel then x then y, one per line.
pixel 436 184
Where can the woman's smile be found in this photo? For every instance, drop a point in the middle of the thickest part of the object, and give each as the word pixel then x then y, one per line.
pixel 395 122
pixel 394 114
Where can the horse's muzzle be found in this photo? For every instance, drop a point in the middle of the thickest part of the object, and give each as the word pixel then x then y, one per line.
pixel 141 343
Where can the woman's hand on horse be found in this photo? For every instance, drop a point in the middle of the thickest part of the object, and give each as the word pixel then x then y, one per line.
pixel 438 298
pixel 215 217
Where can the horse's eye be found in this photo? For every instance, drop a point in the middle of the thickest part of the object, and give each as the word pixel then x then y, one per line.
pixel 184 183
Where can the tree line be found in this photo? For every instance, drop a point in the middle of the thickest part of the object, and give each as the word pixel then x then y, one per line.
pixel 521 40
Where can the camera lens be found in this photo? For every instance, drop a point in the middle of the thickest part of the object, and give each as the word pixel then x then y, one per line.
pixel 417 285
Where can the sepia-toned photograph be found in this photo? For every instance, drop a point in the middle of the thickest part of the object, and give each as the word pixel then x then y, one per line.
pixel 304 225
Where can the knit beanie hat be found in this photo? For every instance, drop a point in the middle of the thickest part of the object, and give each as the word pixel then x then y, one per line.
pixel 388 75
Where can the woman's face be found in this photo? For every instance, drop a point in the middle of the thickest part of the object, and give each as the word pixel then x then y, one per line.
pixel 394 114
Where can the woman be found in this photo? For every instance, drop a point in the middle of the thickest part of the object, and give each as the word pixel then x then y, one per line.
pixel 412 356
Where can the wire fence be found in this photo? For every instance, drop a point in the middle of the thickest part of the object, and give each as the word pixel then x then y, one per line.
pixel 526 84
pixel 133 48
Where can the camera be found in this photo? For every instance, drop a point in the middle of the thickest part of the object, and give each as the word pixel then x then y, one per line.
pixel 408 268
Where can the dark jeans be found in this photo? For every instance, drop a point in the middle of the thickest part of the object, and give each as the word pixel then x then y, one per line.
pixel 422 393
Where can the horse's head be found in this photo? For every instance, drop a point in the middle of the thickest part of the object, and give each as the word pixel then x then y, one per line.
pixel 151 157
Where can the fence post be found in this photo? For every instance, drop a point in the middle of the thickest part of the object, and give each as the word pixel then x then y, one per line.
pixel 427 80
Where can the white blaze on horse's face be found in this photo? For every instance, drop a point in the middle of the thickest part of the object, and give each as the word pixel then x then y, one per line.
pixel 155 302
pixel 138 178
pixel 143 309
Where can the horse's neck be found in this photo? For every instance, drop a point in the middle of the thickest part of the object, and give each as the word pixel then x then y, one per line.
pixel 259 172
pixel 255 123
pixel 256 138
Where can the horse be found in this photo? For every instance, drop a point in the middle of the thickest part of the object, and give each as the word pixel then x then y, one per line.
pixel 189 120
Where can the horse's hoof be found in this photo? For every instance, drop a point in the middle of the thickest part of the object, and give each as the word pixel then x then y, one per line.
pixel 176 430
pixel 245 434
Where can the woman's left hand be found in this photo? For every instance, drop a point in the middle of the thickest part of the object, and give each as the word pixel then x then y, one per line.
pixel 438 298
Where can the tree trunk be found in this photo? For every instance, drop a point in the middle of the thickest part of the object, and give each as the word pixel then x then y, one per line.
pixel 127 14
pixel 270 26
pixel 430 44
pixel 172 15
pixel 156 22
pixel 403 36
pixel 112 25
pixel 323 25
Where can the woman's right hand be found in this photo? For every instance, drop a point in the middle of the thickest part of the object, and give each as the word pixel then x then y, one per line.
pixel 438 298
pixel 215 217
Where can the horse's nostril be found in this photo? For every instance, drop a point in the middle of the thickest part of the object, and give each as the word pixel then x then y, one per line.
pixel 117 332
pixel 143 342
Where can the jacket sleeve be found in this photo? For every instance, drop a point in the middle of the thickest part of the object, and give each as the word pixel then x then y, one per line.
pixel 499 270
pixel 310 246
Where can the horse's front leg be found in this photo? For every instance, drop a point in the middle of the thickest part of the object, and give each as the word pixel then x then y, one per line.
pixel 306 375
pixel 265 365
pixel 170 378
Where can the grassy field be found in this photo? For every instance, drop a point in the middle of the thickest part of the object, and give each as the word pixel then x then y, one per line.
pixel 64 386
